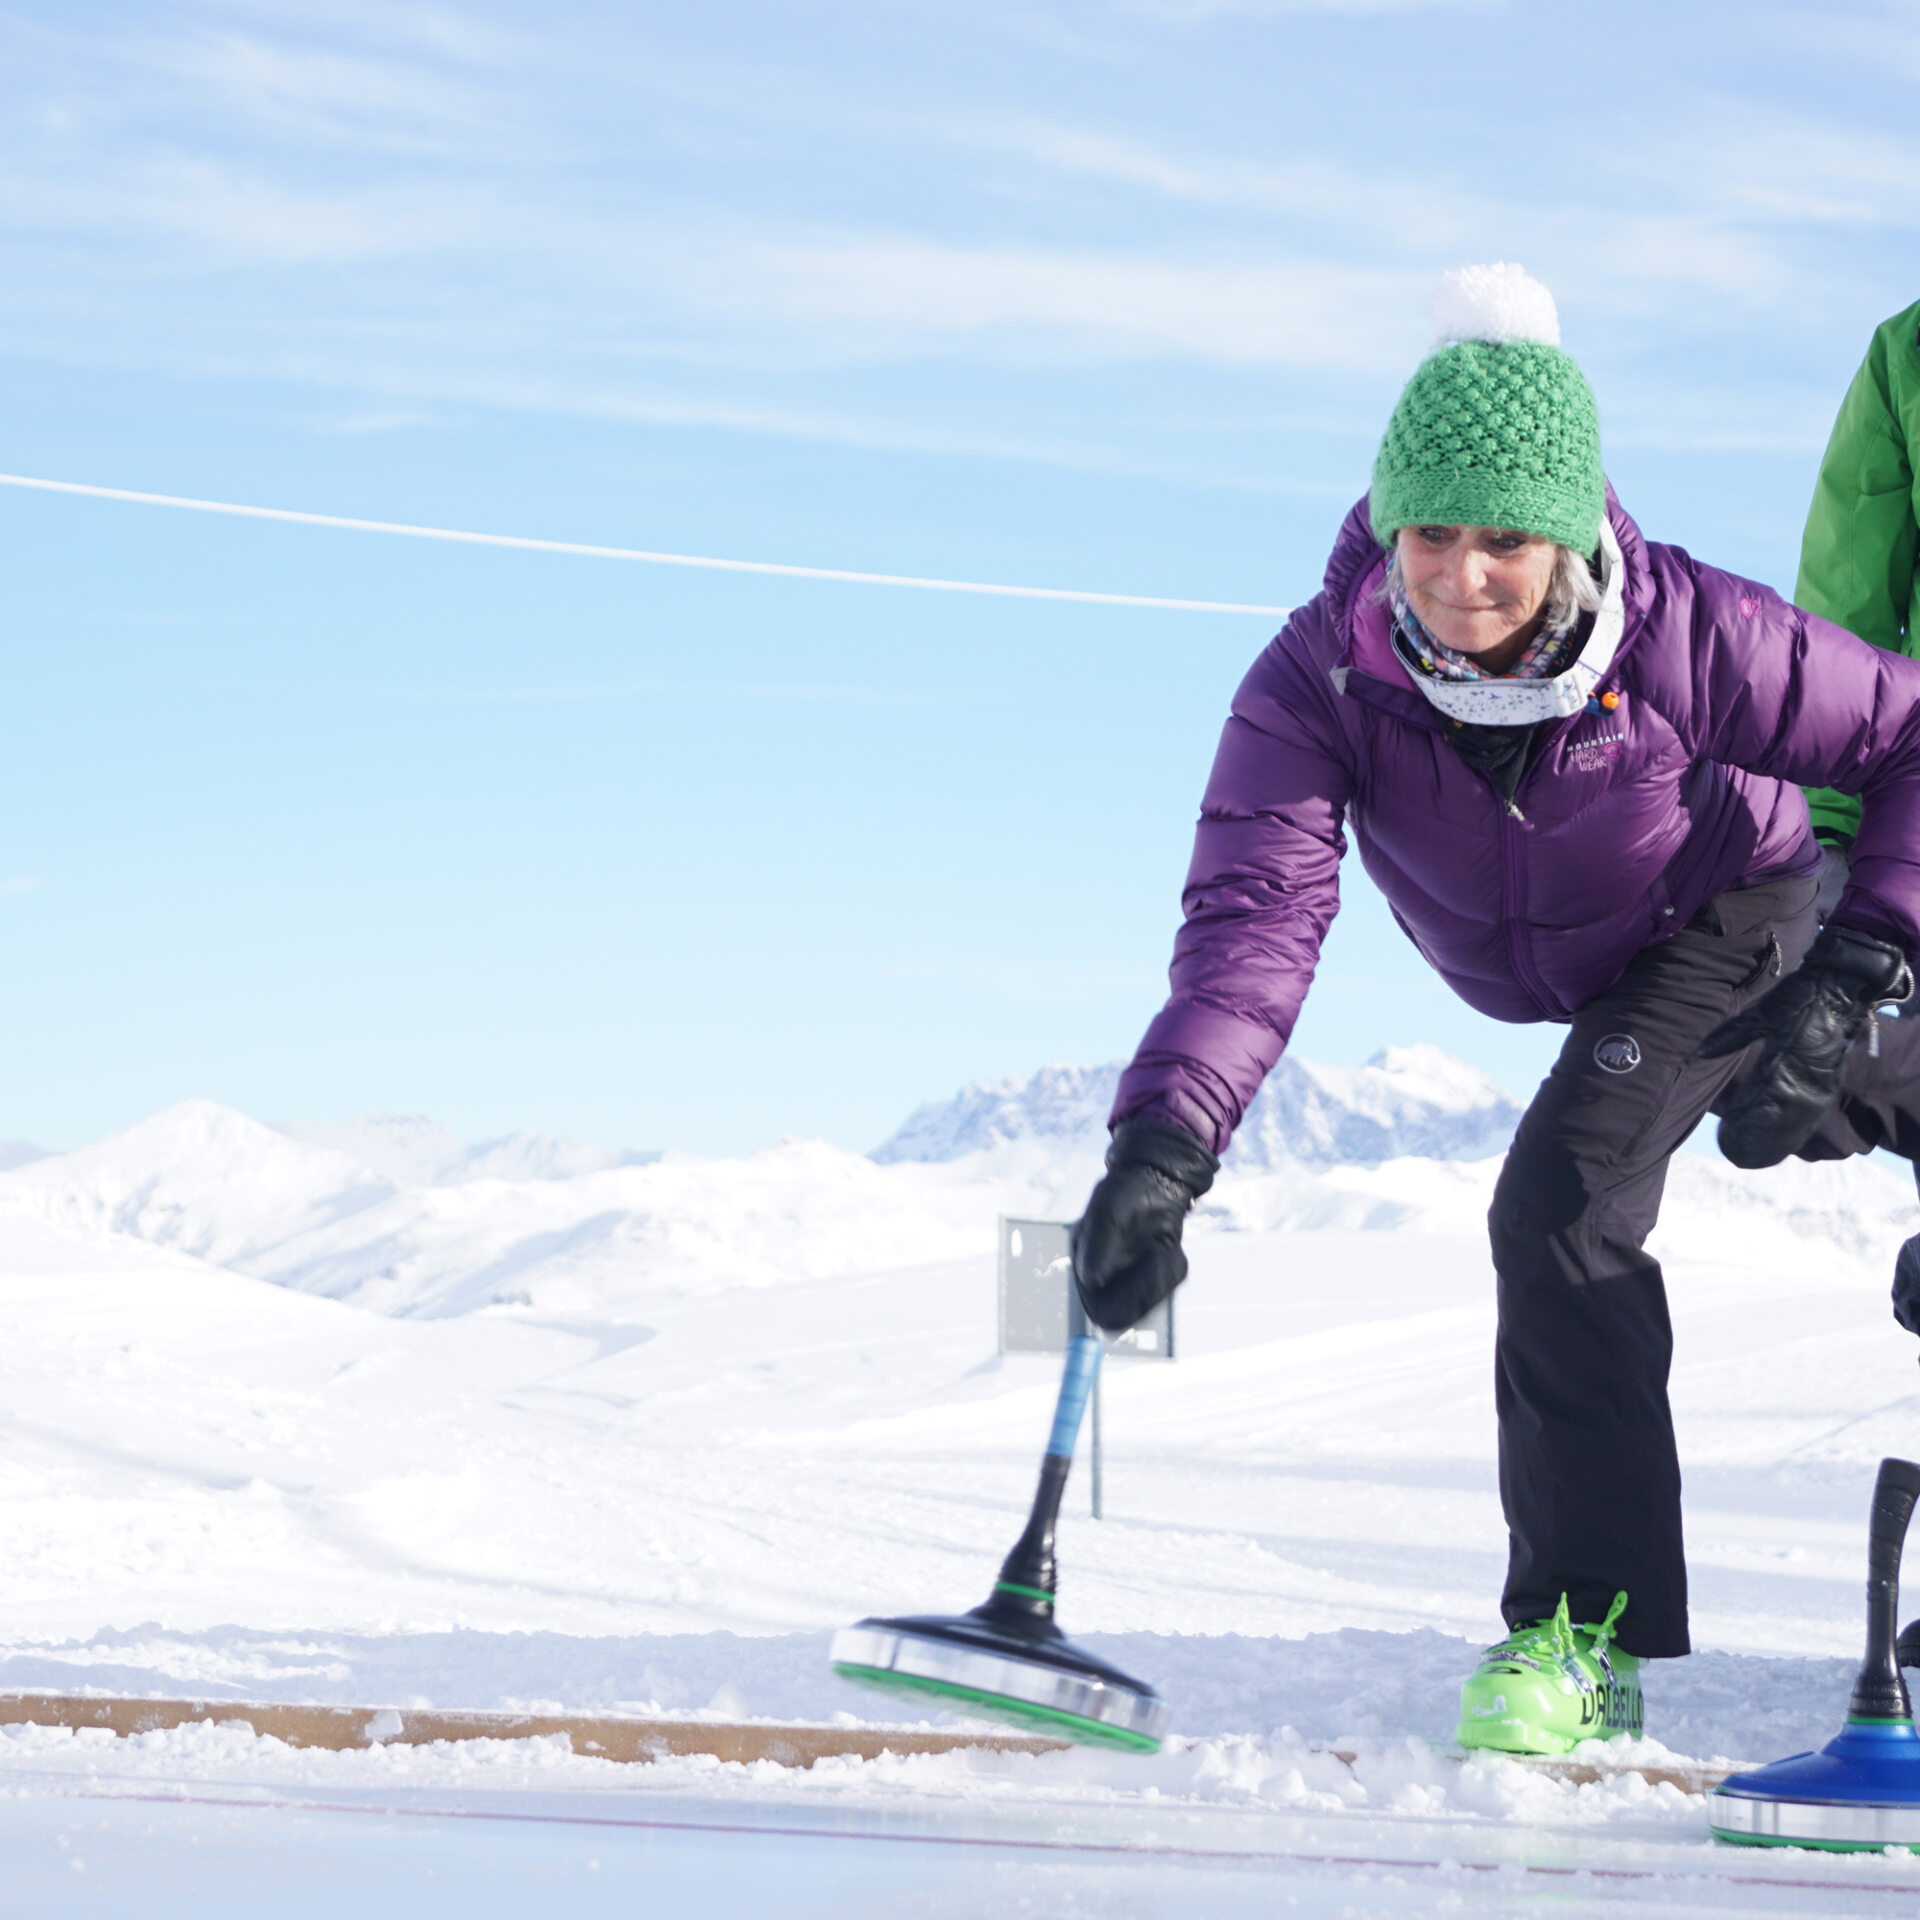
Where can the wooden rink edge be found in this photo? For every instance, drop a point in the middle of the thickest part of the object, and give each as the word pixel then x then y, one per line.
pixel 638 1741
pixel 347 1729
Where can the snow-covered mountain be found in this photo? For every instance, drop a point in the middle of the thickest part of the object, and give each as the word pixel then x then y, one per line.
pixel 397 1216
pixel 1059 1105
pixel 202 1179
pixel 1404 1101
pixel 413 1151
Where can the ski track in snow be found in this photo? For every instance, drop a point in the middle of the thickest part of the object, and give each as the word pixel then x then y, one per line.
pixel 365 1416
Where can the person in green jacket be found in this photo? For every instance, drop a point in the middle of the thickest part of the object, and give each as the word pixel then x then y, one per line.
pixel 1858 569
pixel 1857 557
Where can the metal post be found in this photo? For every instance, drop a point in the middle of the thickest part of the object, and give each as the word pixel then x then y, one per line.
pixel 1096 1444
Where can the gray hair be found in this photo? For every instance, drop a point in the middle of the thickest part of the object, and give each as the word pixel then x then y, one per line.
pixel 1571 588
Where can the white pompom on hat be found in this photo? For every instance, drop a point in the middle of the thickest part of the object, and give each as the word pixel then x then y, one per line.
pixel 1497 304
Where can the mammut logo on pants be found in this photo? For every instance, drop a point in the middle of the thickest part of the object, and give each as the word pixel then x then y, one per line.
pixel 1617 1053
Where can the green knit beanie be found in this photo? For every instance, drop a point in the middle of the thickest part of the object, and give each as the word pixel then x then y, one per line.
pixel 1497 427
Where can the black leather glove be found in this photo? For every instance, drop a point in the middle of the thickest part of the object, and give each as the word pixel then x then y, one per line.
pixel 1126 1246
pixel 1804 1027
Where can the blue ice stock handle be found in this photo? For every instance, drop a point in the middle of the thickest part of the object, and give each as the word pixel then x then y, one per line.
pixel 1076 1384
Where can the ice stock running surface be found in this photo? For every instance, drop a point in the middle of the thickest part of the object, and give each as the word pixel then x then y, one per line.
pixel 368 1417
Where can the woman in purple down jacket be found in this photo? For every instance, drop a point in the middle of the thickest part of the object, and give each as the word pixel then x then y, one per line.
pixel 1571 760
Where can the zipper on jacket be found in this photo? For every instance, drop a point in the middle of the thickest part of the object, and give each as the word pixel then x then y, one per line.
pixel 1513 824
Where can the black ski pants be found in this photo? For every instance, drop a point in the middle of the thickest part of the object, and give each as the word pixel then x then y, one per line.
pixel 1589 1477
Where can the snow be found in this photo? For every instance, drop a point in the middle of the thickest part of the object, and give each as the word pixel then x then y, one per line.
pixel 354 1414
pixel 411 1150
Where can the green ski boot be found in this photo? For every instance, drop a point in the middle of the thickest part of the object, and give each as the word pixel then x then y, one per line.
pixel 1547 1687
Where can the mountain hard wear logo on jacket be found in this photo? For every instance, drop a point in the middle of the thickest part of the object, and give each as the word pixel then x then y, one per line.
pixel 1593 756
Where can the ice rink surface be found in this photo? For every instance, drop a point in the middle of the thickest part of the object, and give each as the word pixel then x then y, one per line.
pixel 199 1851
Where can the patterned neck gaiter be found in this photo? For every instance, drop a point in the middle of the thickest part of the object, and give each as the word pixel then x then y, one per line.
pixel 1553 650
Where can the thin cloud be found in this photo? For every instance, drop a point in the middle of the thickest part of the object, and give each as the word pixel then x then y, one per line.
pixel 1296 312
pixel 1391 202
pixel 196 214
pixel 444 32
pixel 1186 11
pixel 1803 172
pixel 245 216
pixel 1721 419
pixel 390 90
pixel 1876 39
pixel 320 95
pixel 712 690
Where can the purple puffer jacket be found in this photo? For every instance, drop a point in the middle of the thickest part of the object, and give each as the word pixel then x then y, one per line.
pixel 1633 816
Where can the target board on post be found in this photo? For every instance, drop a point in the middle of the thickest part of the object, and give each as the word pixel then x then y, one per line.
pixel 1039 1310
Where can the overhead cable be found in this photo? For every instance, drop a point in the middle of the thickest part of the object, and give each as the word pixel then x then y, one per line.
pixel 524 544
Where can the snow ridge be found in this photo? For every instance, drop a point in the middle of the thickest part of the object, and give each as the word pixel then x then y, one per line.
pixel 1405 1101
pixel 397 1217
pixel 413 1151
pixel 1065 1104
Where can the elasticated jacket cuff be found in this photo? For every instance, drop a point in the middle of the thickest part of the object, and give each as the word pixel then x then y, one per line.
pixel 1873 970
pixel 1167 1149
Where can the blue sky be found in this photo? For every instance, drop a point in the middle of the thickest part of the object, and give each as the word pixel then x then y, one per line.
pixel 1105 293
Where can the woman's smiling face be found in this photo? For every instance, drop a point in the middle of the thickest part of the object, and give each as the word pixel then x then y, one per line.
pixel 1478 590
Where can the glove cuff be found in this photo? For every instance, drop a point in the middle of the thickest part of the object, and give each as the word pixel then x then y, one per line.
pixel 1165 1148
pixel 1874 972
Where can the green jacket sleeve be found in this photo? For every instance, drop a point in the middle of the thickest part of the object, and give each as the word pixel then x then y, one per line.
pixel 1857 556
